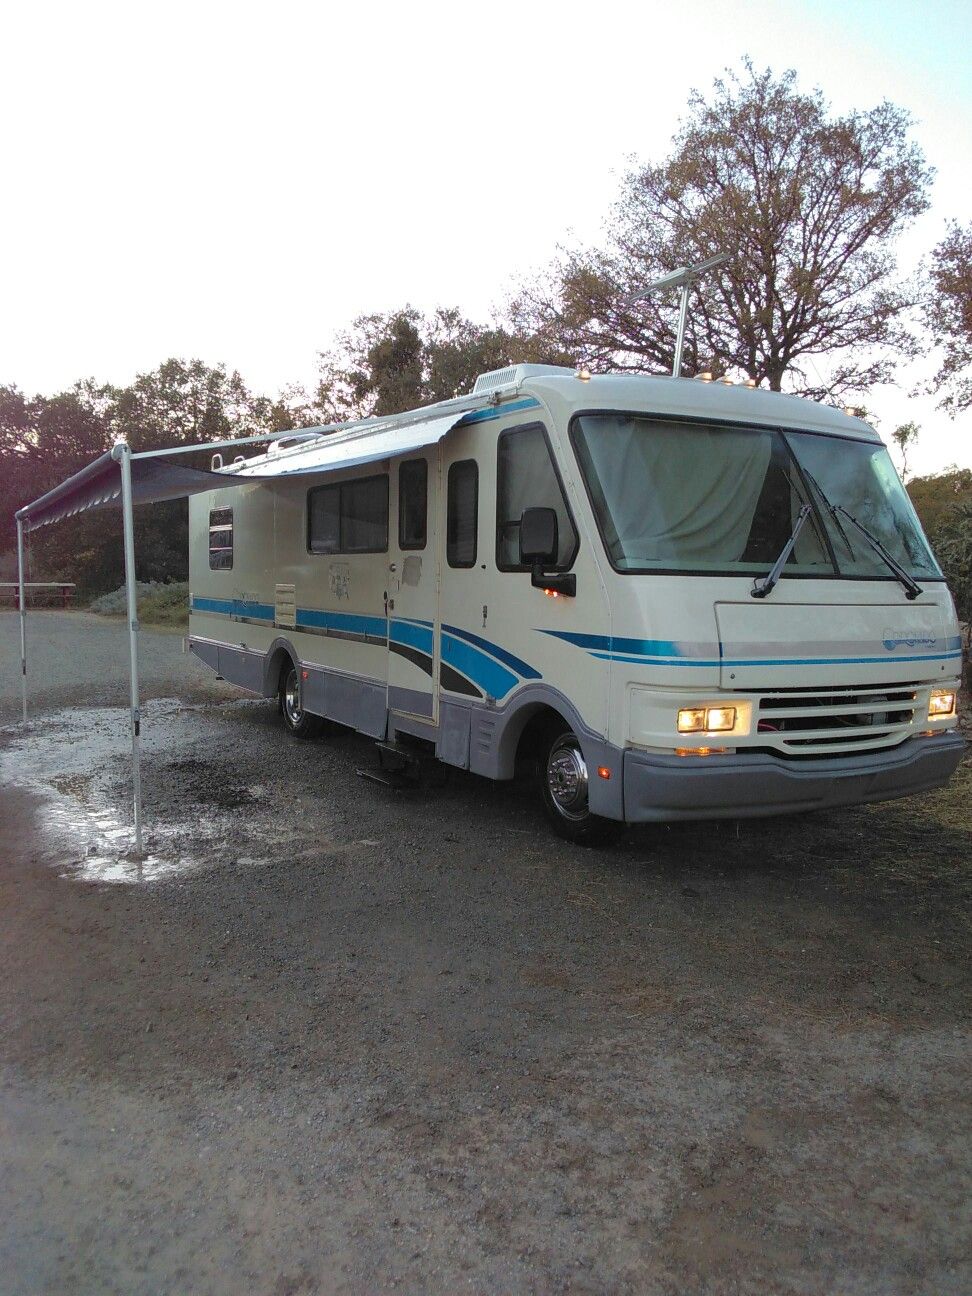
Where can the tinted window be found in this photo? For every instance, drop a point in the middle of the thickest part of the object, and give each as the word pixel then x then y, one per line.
pixel 412 507
pixel 221 539
pixel 462 513
pixel 526 478
pixel 349 517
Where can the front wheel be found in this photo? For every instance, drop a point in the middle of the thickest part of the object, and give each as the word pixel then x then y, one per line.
pixel 565 789
pixel 300 722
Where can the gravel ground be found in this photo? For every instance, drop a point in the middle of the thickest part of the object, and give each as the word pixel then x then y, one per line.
pixel 333 1039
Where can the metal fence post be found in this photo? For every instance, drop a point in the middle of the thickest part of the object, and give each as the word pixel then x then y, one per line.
pixel 122 454
pixel 23 620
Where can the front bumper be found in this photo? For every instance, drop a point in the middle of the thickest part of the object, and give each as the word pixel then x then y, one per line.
pixel 660 788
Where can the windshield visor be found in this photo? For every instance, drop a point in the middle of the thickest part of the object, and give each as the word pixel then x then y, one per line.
pixel 689 497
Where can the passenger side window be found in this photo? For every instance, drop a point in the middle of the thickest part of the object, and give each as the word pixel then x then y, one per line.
pixel 348 517
pixel 462 513
pixel 221 539
pixel 412 504
pixel 526 478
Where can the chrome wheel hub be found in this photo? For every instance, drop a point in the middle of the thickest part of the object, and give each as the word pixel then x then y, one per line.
pixel 567 779
pixel 294 710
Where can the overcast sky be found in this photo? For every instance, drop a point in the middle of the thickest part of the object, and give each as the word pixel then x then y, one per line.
pixel 237 181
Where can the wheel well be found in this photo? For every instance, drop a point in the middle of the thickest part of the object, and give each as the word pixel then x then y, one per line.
pixel 537 725
pixel 280 661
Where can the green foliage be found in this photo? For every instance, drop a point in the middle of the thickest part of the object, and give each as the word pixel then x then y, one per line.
pixel 952 542
pixel 808 205
pixel 948 315
pixel 159 603
pixel 384 364
pixel 935 494
pixel 904 436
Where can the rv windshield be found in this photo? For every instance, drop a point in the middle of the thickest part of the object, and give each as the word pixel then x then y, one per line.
pixel 688 497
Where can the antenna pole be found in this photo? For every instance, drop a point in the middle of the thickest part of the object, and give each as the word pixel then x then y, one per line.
pixel 680 338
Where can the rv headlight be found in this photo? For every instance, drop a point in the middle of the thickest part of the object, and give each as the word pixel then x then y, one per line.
pixel 706 719
pixel 941 704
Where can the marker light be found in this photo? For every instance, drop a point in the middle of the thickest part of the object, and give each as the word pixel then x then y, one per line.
pixel 551 593
pixel 700 751
pixel 941 704
pixel 603 771
pixel 706 719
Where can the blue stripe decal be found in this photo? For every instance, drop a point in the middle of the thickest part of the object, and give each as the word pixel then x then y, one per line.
pixel 234 607
pixel 349 622
pixel 773 661
pixel 521 667
pixel 413 634
pixel 501 411
pixel 493 678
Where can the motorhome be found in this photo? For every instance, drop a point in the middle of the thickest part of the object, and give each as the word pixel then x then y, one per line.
pixel 673 598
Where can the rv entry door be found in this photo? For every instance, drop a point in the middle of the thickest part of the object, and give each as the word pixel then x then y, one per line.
pixel 413 589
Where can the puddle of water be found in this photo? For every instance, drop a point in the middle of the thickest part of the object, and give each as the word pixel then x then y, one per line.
pixel 78 762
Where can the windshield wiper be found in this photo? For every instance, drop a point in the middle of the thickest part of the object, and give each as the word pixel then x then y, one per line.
pixel 768 584
pixel 912 588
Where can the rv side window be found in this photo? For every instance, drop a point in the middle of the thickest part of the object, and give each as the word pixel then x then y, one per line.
pixel 462 514
pixel 527 478
pixel 221 539
pixel 348 517
pixel 412 504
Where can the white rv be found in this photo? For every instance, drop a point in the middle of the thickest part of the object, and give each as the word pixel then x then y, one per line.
pixel 679 599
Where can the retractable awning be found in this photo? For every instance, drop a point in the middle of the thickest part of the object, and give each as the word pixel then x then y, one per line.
pixel 155 477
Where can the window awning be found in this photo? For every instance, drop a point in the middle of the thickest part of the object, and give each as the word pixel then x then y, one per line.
pixel 156 477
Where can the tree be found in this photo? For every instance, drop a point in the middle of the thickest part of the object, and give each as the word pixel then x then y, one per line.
pixel 904 436
pixel 933 496
pixel 952 542
pixel 387 363
pixel 948 316
pixel 808 205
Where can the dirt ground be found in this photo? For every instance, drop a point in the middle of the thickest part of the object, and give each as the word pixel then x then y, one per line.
pixel 333 1039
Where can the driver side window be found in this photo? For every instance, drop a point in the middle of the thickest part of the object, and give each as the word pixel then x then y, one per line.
pixel 527 478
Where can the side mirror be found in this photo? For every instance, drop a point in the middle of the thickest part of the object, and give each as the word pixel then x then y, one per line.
pixel 539 540
pixel 539 544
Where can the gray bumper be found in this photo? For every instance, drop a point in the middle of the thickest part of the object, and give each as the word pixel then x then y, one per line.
pixel 659 788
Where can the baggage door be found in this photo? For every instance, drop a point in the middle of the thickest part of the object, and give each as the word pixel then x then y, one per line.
pixel 413 585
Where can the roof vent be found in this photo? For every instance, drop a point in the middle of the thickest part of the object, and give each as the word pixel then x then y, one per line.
pixel 292 439
pixel 513 375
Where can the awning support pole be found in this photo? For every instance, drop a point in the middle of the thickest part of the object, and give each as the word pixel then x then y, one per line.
pixel 123 456
pixel 23 620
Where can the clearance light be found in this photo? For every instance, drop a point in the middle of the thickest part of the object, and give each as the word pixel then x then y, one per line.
pixel 704 377
pixel 706 719
pixel 941 704
pixel 603 771
pixel 551 593
pixel 583 373
pixel 700 751
pixel 750 382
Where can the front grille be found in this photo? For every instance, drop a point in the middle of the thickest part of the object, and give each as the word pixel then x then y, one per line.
pixel 802 722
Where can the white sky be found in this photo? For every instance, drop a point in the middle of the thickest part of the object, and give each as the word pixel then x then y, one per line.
pixel 237 181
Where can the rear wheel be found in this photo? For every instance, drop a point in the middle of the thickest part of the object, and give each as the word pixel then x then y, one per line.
pixel 565 791
pixel 300 722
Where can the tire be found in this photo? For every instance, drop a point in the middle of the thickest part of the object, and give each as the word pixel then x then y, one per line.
pixel 299 722
pixel 564 787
